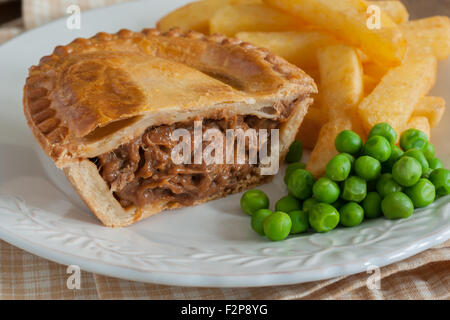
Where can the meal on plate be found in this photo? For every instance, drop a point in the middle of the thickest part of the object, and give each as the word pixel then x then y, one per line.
pixel 348 79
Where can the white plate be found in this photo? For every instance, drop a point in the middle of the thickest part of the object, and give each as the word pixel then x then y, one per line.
pixel 209 245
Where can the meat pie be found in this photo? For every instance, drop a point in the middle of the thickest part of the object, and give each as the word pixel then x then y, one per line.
pixel 105 110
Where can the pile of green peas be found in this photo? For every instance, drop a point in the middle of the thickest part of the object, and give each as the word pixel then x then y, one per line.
pixel 363 181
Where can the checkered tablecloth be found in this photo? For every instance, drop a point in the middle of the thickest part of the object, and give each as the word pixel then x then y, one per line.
pixel 424 276
pixel 26 276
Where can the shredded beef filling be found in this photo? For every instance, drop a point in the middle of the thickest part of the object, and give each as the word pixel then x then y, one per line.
pixel 142 172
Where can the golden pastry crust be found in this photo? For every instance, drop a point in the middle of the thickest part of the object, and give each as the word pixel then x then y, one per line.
pixel 114 86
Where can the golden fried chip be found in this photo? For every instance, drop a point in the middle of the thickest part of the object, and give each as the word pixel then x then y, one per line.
pixel 195 15
pixel 348 20
pixel 341 80
pixel 369 84
pixel 430 35
pixel 324 149
pixel 419 123
pixel 297 47
pixel 233 19
pixel 398 92
pixel 375 70
pixel 432 108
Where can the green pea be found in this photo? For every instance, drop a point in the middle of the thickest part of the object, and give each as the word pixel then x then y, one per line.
pixel 422 193
pixel 300 184
pixel 258 218
pixel 253 200
pixel 291 168
pixel 396 153
pixel 287 203
pixel 372 205
pixel 309 203
pixel 413 139
pixel 441 180
pixel 349 156
pixel 338 168
pixel 419 156
pixel 339 203
pixel 429 151
pixel 300 221
pixel 351 214
pixel 435 163
pixel 427 174
pixel 277 226
pixel 367 168
pixel 407 171
pixel 385 130
pixel 397 205
pixel 378 147
pixel 354 189
pixel 295 152
pixel 349 142
pixel 326 190
pixel 387 185
pixel 323 217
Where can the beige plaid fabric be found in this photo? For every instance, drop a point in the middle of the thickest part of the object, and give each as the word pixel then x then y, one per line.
pixel 26 276
pixel 37 12
pixel 10 30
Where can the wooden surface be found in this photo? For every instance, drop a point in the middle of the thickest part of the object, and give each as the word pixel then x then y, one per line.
pixel 9 10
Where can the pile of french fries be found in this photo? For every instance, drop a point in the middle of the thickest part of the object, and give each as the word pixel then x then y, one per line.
pixel 371 63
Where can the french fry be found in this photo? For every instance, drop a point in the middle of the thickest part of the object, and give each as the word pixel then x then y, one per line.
pixel 430 35
pixel 398 92
pixel 324 149
pixel 288 44
pixel 357 125
pixel 310 128
pixel 341 89
pixel 369 84
pixel 395 9
pixel 341 80
pixel 233 19
pixel 299 47
pixel 419 123
pixel 375 70
pixel 195 15
pixel 348 20
pixel 362 56
pixel 432 108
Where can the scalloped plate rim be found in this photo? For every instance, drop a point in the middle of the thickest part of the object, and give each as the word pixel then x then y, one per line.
pixel 204 280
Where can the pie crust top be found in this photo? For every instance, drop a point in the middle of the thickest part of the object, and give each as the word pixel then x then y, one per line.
pixel 111 87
